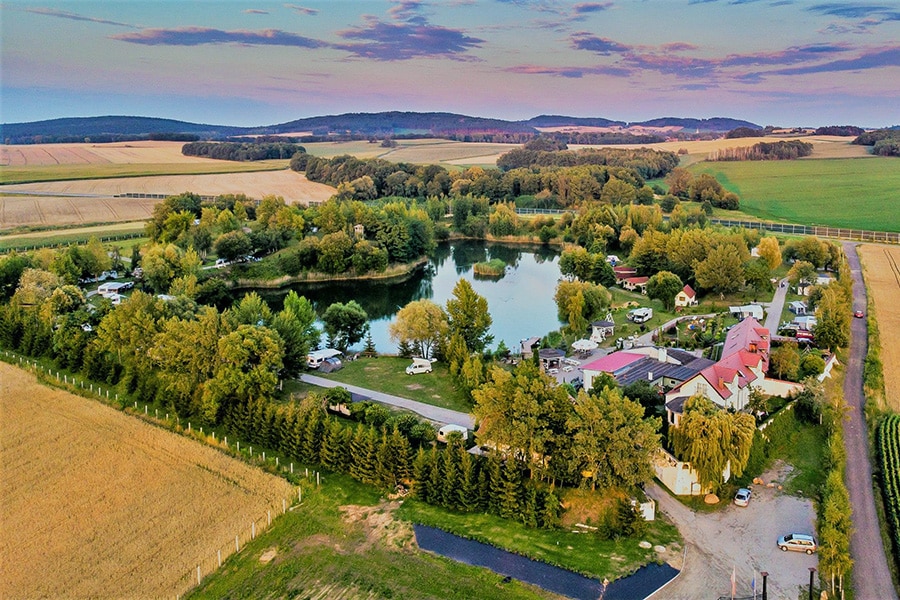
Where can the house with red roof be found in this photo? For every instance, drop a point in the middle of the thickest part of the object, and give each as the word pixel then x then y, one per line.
pixel 636 284
pixel 686 297
pixel 728 382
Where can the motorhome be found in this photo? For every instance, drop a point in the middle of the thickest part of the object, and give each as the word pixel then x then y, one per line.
pixel 640 315
pixel 315 358
pixel 419 365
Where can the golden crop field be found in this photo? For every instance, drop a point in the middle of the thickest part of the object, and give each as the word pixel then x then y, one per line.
pixel 58 202
pixel 97 504
pixel 139 152
pixel 881 267
pixel 824 146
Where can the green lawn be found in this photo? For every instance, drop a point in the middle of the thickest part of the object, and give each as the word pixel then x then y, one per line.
pixel 843 192
pixel 388 375
pixel 320 553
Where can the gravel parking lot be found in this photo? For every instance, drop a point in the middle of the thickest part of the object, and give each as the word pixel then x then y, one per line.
pixel 740 539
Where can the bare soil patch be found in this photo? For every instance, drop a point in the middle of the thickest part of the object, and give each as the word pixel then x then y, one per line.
pixel 881 268
pixel 98 504
pixel 379 525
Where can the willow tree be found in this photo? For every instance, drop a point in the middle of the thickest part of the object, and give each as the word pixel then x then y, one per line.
pixel 712 440
pixel 421 324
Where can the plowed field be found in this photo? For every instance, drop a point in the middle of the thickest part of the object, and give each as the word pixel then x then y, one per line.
pixel 97 504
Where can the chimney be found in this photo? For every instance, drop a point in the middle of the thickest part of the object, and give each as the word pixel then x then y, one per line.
pixel 662 355
pixel 721 382
pixel 649 375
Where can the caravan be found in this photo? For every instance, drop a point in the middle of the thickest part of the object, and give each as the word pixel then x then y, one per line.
pixel 316 358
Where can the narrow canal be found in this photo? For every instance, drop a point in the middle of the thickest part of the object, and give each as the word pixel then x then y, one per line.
pixel 636 586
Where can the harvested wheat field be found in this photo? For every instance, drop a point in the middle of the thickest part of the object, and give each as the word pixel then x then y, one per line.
pixel 138 152
pixel 824 146
pixel 881 267
pixel 97 504
pixel 93 200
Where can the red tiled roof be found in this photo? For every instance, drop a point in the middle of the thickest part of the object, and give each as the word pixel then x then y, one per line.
pixel 689 291
pixel 637 280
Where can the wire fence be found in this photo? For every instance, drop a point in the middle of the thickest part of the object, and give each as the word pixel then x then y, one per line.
pixel 34 245
pixel 212 561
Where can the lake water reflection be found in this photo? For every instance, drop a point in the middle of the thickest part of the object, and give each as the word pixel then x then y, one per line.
pixel 520 302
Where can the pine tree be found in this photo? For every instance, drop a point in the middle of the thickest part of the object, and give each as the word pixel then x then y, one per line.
pixel 529 506
pixel 467 496
pixel 421 471
pixel 494 483
pixel 508 502
pixel 435 477
pixel 384 475
pixel 401 453
pixel 549 516
pixel 311 443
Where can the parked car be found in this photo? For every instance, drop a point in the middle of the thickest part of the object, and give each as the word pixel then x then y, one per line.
pixel 859 314
pixel 742 498
pixel 798 542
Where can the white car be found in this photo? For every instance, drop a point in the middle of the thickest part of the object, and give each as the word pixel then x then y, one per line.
pixel 568 368
pixel 742 498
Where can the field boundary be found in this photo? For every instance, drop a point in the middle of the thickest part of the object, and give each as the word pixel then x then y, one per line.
pixel 32 245
pixel 211 563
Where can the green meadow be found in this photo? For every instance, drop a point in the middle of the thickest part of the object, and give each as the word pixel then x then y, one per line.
pixel 857 193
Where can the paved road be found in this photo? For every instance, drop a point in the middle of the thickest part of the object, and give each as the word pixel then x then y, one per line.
pixel 434 413
pixel 871 575
pixel 775 307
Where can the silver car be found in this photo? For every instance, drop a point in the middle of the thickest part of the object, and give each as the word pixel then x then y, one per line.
pixel 742 498
pixel 798 542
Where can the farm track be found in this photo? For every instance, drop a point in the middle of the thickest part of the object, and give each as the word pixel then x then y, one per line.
pixel 893 263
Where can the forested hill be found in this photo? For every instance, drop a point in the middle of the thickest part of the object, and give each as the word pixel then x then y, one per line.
pixel 109 128
pixel 383 124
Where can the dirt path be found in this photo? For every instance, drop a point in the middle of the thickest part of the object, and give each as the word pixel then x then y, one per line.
pixel 871 575
pixel 740 541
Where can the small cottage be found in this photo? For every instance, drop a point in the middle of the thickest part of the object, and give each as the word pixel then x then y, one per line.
pixel 686 297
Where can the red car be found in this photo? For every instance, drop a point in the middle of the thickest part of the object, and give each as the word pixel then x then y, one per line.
pixel 859 314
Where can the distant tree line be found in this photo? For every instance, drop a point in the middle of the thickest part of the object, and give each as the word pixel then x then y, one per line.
pixel 884 142
pixel 842 130
pixel 246 151
pixel 647 163
pixel 742 132
pixel 780 150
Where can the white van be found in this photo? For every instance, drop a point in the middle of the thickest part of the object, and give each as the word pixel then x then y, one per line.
pixel 419 365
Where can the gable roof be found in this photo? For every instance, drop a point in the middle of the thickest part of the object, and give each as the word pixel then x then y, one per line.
pixel 746 335
pixel 689 291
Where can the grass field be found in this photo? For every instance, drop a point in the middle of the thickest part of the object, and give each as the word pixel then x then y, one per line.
pixel 857 193
pixel 38 173
pixel 424 151
pixel 880 267
pixel 388 375
pixel 98 504
pixel 345 543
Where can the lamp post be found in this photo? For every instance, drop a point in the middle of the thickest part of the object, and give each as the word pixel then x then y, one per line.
pixel 765 595
pixel 812 572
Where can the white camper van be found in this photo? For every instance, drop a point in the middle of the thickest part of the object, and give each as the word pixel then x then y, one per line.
pixel 315 358
pixel 419 365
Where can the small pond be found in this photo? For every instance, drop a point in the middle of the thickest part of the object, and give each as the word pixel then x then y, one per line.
pixel 640 584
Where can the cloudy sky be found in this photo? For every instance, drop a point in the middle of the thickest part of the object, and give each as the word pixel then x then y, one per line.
pixel 244 62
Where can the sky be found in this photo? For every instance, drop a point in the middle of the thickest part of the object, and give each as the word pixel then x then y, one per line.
pixel 252 63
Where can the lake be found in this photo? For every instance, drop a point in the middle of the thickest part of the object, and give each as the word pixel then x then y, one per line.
pixel 520 302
